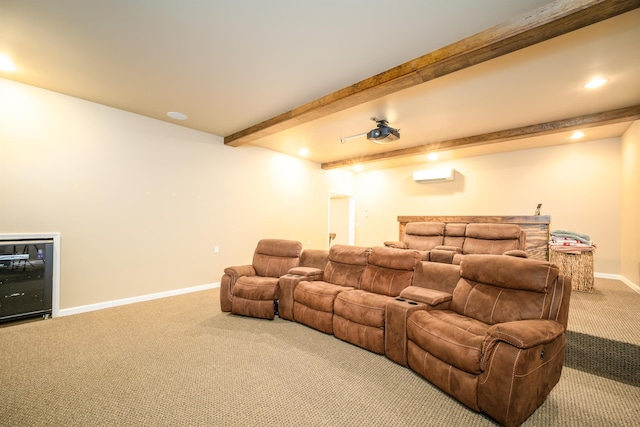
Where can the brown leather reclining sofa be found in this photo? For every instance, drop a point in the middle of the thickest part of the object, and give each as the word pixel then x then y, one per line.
pixel 449 242
pixel 490 332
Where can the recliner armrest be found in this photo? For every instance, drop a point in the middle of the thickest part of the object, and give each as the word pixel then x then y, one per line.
pixel 240 270
pixel 517 253
pixel 307 273
pixel 397 245
pixel 430 297
pixel 525 333
pixel 444 254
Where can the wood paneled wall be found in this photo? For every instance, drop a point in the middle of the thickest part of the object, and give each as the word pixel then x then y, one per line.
pixel 536 227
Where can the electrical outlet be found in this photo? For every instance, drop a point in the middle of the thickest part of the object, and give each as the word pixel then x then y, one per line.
pixel 216 250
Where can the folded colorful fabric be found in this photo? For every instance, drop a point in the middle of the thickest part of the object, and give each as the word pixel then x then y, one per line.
pixel 571 235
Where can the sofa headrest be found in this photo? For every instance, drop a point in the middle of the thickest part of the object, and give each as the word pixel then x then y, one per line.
pixel 316 258
pixel 455 229
pixel 425 228
pixel 493 231
pixel 397 259
pixel 509 272
pixel 347 254
pixel 279 247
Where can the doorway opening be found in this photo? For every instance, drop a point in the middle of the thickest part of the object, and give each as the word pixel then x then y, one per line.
pixel 341 226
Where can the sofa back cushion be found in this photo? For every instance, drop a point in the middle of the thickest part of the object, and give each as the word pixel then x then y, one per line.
pixel 346 265
pixel 499 288
pixel 314 258
pixel 493 239
pixel 274 257
pixel 389 270
pixel 454 233
pixel 423 236
pixel 437 275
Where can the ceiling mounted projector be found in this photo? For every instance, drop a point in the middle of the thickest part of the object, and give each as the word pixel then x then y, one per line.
pixel 384 133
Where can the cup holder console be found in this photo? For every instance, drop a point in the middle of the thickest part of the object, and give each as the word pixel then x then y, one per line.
pixel 408 302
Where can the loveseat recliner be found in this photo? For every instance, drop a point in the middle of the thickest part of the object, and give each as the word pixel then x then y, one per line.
pixel 359 314
pixel 499 347
pixel 449 242
pixel 314 300
pixel 482 238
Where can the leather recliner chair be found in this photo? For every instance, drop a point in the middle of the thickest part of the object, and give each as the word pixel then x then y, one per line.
pixel 499 348
pixel 250 290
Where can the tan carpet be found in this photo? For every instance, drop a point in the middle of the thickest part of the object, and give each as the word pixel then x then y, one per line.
pixel 179 361
pixel 611 311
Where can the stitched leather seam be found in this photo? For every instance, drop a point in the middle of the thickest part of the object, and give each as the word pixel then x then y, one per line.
pixel 553 297
pixel 546 295
pixel 541 365
pixel 546 280
pixel 495 303
pixel 518 341
pixel 361 305
pixel 561 297
pixel 488 371
pixel 513 372
pixel 391 284
pixel 467 301
pixel 373 280
pixel 448 341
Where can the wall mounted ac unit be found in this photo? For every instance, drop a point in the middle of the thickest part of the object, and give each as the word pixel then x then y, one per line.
pixel 434 175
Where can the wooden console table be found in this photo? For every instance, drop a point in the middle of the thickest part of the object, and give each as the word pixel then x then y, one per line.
pixel 536 227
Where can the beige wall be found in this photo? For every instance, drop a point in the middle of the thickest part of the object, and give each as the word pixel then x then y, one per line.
pixel 578 185
pixel 140 203
pixel 630 224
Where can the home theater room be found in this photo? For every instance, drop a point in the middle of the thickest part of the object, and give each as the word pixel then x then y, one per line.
pixel 319 213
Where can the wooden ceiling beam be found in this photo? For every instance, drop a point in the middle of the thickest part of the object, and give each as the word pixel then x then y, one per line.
pixel 619 115
pixel 549 21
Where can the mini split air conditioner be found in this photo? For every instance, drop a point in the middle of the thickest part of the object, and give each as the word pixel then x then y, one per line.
pixel 434 175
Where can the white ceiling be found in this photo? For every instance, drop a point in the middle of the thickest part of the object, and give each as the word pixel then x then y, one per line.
pixel 229 65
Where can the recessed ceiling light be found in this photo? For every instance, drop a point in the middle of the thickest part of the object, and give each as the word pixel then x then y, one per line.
pixel 577 135
pixel 304 152
pixel 432 157
pixel 357 168
pixel 177 116
pixel 6 64
pixel 594 83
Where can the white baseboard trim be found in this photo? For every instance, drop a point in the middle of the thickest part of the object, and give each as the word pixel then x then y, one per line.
pixel 132 300
pixel 630 284
pixel 619 277
pixel 607 276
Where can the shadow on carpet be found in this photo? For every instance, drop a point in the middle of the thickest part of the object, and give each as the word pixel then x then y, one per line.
pixel 615 360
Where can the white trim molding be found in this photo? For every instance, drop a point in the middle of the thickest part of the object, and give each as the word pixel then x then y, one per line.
pixel 619 277
pixel 132 300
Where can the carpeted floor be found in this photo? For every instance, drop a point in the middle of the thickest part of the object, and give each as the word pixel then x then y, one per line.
pixel 179 361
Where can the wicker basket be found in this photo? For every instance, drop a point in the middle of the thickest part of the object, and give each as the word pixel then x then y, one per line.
pixel 578 267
